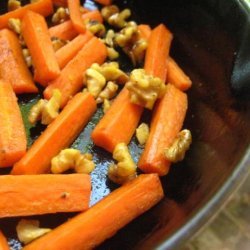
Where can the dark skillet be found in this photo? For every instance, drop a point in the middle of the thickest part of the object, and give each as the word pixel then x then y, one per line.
pixel 211 40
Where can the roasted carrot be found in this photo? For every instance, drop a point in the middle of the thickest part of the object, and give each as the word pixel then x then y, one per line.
pixel 144 31
pixel 66 31
pixel 103 220
pixel 36 36
pixel 176 75
pixel 75 15
pixel 43 7
pixel 167 121
pixel 157 52
pixel 24 195
pixel 3 242
pixel 67 52
pixel 104 2
pixel 118 124
pixel 60 3
pixel 12 137
pixel 57 136
pixel 70 80
pixel 13 68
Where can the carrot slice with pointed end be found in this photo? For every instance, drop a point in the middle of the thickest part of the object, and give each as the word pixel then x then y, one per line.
pixel 67 52
pixel 166 123
pixel 13 68
pixel 57 136
pixel 157 52
pixel 43 7
pixel 176 75
pixel 3 242
pixel 118 124
pixel 70 80
pixel 66 30
pixel 75 15
pixel 36 36
pixel 103 220
pixel 24 195
pixel 12 133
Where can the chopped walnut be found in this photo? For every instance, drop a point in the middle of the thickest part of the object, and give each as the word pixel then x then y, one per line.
pixel 44 110
pixel 125 169
pixel 112 53
pixel 61 15
pixel 57 43
pixel 108 92
pixel 27 57
pixel 108 11
pixel 96 28
pixel 15 25
pixel 72 159
pixel 13 5
pixel 137 53
pixel 145 89
pixel 29 230
pixel 119 20
pixel 142 133
pixel 106 105
pixel 176 152
pixel 109 38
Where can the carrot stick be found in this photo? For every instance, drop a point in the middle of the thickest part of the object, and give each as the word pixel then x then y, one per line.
pixel 36 36
pixel 43 7
pixel 67 52
pixel 57 136
pixel 3 242
pixel 167 121
pixel 24 195
pixel 104 2
pixel 157 52
pixel 118 124
pixel 103 220
pixel 13 68
pixel 66 30
pixel 75 15
pixel 70 80
pixel 176 76
pixel 145 31
pixel 12 133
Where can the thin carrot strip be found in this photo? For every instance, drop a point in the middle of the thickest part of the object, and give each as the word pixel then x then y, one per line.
pixel 70 80
pixel 104 2
pixel 13 68
pixel 157 52
pixel 67 52
pixel 118 124
pixel 3 242
pixel 43 7
pixel 36 36
pixel 75 15
pixel 12 133
pixel 66 30
pixel 57 136
pixel 176 75
pixel 144 31
pixel 24 195
pixel 103 220
pixel 167 121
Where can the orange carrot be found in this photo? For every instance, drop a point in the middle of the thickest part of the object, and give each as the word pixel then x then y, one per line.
pixel 118 124
pixel 62 3
pixel 57 136
pixel 104 2
pixel 12 133
pixel 103 220
pixel 176 76
pixel 43 7
pixel 144 31
pixel 67 52
pixel 157 52
pixel 13 68
pixel 166 123
pixel 24 195
pixel 36 36
pixel 75 15
pixel 66 31
pixel 3 242
pixel 70 80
